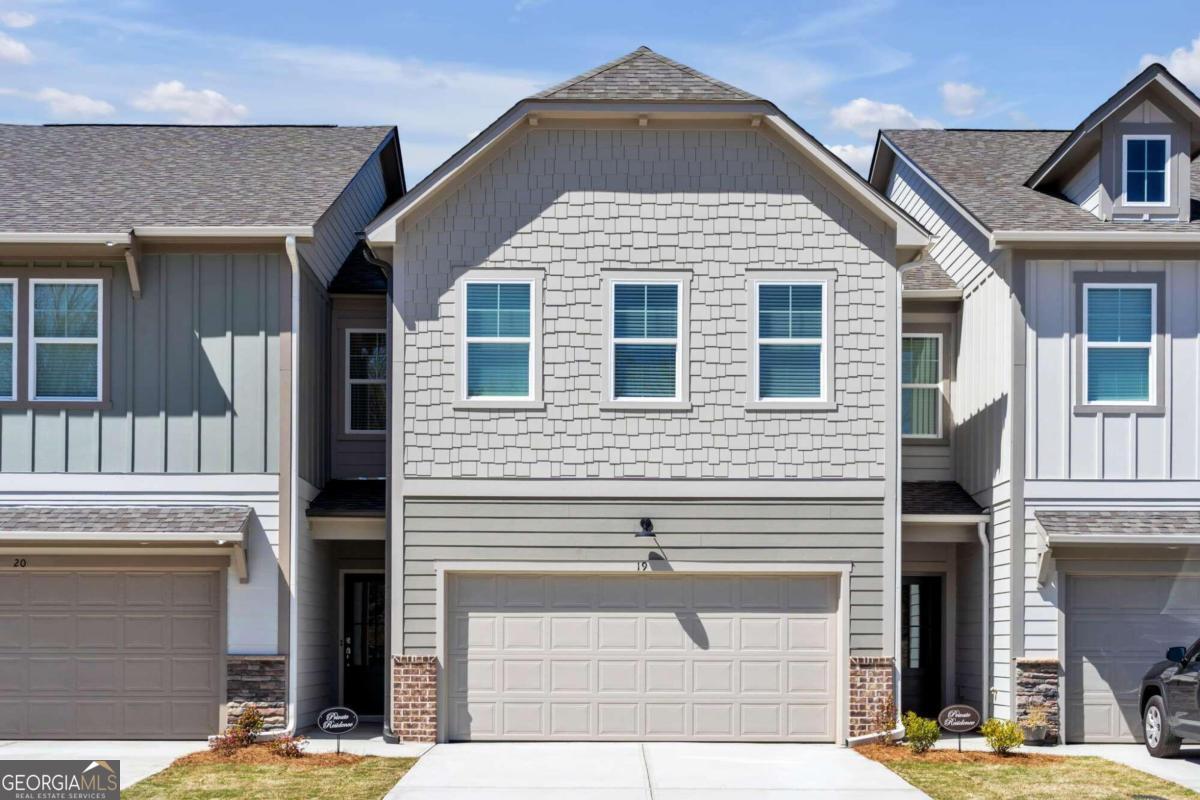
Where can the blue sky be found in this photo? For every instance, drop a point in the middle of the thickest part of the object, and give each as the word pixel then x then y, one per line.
pixel 441 71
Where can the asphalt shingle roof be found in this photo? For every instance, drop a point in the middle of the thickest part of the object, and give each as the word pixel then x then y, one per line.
pixel 357 275
pixel 936 497
pixel 1119 523
pixel 927 275
pixel 125 519
pixel 110 178
pixel 351 498
pixel 985 171
pixel 647 76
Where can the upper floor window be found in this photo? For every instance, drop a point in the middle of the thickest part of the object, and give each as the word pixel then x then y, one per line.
pixel 366 381
pixel 645 346
pixel 8 339
pixel 65 353
pixel 789 346
pixel 1147 179
pixel 500 356
pixel 921 386
pixel 1119 352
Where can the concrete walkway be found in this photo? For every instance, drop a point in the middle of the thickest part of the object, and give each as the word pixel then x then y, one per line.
pixel 138 759
pixel 650 771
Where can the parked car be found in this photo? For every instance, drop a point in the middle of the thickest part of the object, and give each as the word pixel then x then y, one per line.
pixel 1171 701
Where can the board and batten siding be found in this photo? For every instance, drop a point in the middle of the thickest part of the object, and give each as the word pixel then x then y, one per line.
pixel 833 532
pixel 716 203
pixel 193 371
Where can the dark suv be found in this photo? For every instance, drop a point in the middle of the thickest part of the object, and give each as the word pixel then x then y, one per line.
pixel 1171 701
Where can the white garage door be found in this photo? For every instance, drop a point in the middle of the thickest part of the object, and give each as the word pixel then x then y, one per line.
pixel 648 657
pixel 109 655
pixel 1117 628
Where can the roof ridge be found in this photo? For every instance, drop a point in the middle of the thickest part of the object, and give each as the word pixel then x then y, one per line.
pixel 593 72
pixel 695 73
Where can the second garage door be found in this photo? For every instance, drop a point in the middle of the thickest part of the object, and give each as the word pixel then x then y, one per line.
pixel 1117 628
pixel 577 657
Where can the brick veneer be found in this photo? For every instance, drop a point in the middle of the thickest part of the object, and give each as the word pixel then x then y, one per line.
pixel 871 690
pixel 414 698
pixel 1037 684
pixel 260 681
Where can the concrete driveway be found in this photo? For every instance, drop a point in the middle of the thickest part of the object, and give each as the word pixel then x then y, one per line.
pixel 658 771
pixel 138 759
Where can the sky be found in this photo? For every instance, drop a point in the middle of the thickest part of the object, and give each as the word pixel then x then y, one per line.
pixel 442 70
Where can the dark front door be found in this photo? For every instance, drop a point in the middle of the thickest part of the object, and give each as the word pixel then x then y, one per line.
pixel 363 657
pixel 921 645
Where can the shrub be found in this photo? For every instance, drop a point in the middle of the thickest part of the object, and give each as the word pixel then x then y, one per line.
pixel 1002 735
pixel 1036 717
pixel 884 721
pixel 921 733
pixel 241 733
pixel 288 746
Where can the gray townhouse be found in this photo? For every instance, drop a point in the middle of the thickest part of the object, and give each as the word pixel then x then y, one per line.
pixel 192 370
pixel 1051 409
pixel 644 429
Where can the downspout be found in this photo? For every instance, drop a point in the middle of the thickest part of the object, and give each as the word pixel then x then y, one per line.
pixel 985 634
pixel 293 256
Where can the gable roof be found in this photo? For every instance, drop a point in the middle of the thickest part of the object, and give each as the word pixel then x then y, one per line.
pixel 645 75
pixel 113 178
pixel 927 275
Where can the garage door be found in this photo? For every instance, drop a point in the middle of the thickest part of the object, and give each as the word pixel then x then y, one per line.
pixel 100 655
pixel 1117 627
pixel 647 657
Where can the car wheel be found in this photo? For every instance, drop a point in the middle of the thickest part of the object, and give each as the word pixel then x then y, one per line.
pixel 1159 739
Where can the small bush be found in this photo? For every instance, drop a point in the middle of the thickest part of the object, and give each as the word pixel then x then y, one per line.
pixel 921 733
pixel 288 746
pixel 884 721
pixel 1036 717
pixel 1002 735
pixel 241 733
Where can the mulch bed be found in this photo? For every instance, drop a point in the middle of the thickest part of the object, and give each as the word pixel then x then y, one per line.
pixel 898 752
pixel 261 754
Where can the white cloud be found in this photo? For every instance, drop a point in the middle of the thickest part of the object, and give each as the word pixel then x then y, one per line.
pixel 865 117
pixel 961 99
pixel 17 19
pixel 1184 63
pixel 856 155
pixel 191 106
pixel 66 104
pixel 526 5
pixel 13 51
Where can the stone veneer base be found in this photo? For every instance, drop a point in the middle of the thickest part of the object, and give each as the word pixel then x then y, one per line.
pixel 414 698
pixel 259 681
pixel 1037 684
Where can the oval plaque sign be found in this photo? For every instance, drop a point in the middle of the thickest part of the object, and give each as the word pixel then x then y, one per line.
pixel 337 720
pixel 959 719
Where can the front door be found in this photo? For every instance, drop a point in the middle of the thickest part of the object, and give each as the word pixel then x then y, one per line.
pixel 921 645
pixel 363 656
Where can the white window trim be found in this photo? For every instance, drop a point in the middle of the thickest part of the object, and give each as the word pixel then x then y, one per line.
pixel 12 340
pixel 352 382
pixel 97 340
pixel 822 341
pixel 1145 137
pixel 613 341
pixel 533 340
pixel 938 385
pixel 1151 399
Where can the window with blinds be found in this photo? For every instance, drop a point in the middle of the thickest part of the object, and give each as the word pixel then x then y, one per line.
pixel 65 357
pixel 790 341
pixel 1119 323
pixel 921 385
pixel 366 381
pixel 8 339
pixel 645 341
pixel 499 340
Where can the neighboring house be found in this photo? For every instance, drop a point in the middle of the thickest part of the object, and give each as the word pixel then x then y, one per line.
pixel 161 429
pixel 1050 368
pixel 644 462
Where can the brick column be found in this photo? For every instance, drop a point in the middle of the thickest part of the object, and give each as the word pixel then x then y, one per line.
pixel 872 693
pixel 1037 684
pixel 260 681
pixel 415 698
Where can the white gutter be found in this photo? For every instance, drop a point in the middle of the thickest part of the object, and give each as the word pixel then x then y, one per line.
pixel 1109 538
pixel 157 232
pixel 944 519
pixel 293 256
pixel 985 692
pixel 933 294
pixel 65 237
pixel 1000 240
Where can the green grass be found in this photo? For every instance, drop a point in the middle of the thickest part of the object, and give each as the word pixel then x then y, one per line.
pixel 367 779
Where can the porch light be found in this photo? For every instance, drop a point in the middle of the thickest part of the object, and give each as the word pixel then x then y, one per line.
pixel 647 529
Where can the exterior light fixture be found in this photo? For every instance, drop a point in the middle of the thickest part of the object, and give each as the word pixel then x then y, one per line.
pixel 647 529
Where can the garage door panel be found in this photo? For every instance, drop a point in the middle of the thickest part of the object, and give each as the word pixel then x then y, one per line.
pixel 100 589
pixel 14 632
pixel 571 677
pixel 151 590
pixel 47 590
pixel 97 631
pixel 96 675
pixel 51 674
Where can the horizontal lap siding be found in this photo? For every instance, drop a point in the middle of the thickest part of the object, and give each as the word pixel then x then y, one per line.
pixel 765 532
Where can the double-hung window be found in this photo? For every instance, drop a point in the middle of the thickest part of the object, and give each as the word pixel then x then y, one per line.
pixel 498 338
pixel 645 347
pixel 1147 176
pixel 921 386
pixel 65 321
pixel 790 348
pixel 366 381
pixel 1119 325
pixel 8 339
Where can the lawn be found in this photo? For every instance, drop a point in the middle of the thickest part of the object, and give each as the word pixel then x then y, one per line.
pixel 950 775
pixel 255 773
